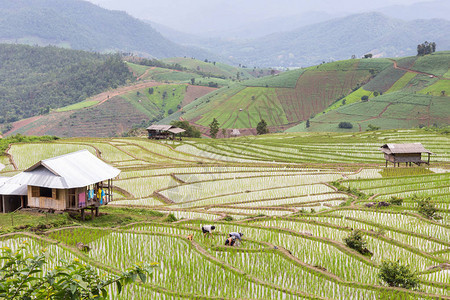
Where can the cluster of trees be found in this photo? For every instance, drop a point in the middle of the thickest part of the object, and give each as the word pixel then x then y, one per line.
pixel 34 80
pixel 345 125
pixel 159 64
pixel 426 48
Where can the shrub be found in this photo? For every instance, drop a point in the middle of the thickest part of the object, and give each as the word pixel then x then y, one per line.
pixel 365 98
pixel 355 241
pixel 371 127
pixel 396 200
pixel 170 218
pixel 427 208
pixel 228 218
pixel 396 275
pixel 346 125
pixel 26 278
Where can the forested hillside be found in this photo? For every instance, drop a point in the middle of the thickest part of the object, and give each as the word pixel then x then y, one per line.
pixel 82 25
pixel 34 80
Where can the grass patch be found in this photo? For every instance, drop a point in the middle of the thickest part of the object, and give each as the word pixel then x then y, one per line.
pixel 29 221
pixel 402 82
pixel 77 106
pixel 397 172
pixel 437 88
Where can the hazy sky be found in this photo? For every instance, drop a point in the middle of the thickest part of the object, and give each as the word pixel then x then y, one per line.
pixel 194 15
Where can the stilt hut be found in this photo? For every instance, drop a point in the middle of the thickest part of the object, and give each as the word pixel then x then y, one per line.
pixel 71 182
pixel 405 153
pixel 159 132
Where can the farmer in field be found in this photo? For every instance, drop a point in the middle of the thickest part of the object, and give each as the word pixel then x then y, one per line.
pixel 237 236
pixel 230 241
pixel 207 229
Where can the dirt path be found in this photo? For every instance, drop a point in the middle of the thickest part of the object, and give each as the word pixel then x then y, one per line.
pixel 372 118
pixel 105 96
pixel 412 71
pixel 101 98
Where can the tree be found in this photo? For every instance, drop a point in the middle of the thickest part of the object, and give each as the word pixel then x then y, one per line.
pixel 355 241
pixel 261 128
pixel 365 98
pixel 22 277
pixel 426 48
pixel 192 81
pixel 307 123
pixel 396 275
pixel 369 55
pixel 345 125
pixel 150 91
pixel 214 128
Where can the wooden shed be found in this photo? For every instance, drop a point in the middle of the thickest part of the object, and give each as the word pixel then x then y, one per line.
pixel 235 133
pixel 405 153
pixel 159 132
pixel 75 181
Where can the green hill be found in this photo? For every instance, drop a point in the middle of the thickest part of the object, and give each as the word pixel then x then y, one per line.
pixel 283 99
pixel 34 80
pixel 402 93
pixel 414 94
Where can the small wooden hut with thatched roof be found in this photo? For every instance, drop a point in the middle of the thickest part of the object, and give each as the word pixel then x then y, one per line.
pixel 405 153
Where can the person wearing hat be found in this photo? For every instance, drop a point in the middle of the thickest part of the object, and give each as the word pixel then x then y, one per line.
pixel 237 235
pixel 207 229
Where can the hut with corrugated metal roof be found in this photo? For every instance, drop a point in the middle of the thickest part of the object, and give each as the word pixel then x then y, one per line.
pixel 70 182
pixel 405 153
pixel 159 132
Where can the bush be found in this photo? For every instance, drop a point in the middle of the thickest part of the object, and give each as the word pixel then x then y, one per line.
pixel 365 98
pixel 371 127
pixel 396 275
pixel 228 218
pixel 25 277
pixel 355 241
pixel 427 208
pixel 346 125
pixel 170 218
pixel 396 200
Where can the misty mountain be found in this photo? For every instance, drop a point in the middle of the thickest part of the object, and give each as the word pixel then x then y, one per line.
pixel 340 39
pixel 439 9
pixel 82 25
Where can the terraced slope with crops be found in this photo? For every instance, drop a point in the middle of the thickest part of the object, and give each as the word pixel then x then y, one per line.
pixel 282 100
pixel 411 93
pixel 296 197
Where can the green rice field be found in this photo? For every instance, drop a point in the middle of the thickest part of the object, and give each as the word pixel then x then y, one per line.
pixel 295 196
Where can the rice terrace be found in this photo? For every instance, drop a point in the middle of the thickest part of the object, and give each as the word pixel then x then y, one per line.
pixel 296 197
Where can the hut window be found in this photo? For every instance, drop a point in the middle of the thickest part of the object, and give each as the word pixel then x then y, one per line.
pixel 45 192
